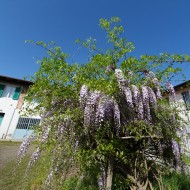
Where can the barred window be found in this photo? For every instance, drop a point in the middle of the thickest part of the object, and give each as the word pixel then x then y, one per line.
pixel 27 123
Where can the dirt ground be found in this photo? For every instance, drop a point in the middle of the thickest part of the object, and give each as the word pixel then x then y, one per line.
pixel 8 151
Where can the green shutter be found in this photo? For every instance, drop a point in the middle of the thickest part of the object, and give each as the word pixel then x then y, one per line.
pixel 17 93
pixel 1 89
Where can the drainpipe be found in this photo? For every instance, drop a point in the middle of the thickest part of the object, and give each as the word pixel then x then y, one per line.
pixel 9 124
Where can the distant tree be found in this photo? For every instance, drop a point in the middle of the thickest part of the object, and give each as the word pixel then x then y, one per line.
pixel 106 123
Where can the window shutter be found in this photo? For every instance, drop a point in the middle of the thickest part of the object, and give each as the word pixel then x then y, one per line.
pixel 1 89
pixel 17 93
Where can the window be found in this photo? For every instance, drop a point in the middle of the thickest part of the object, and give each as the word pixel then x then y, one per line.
pixel 1 117
pixel 27 123
pixel 17 93
pixel 186 98
pixel 2 87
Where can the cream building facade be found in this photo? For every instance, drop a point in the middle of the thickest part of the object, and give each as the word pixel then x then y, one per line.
pixel 12 124
pixel 183 103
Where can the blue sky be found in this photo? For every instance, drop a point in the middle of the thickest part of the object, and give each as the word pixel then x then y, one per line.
pixel 154 26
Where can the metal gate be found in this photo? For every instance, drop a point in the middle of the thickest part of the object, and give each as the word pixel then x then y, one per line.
pixel 25 127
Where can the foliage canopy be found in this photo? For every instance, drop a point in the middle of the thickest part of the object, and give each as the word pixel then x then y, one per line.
pixel 106 123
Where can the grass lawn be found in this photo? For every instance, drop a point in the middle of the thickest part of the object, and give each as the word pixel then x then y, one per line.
pixel 13 176
pixel 8 151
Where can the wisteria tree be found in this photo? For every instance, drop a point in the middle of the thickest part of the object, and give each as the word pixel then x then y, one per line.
pixel 107 123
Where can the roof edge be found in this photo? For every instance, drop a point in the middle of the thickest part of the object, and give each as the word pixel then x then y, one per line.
pixel 184 84
pixel 15 80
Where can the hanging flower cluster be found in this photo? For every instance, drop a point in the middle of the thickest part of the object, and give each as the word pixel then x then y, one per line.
pixel 83 95
pixel 139 103
pixel 123 85
pixel 176 151
pixel 43 138
pixel 91 107
pixel 24 148
pixel 99 108
pixel 146 105
pixel 34 157
pixel 45 133
pixel 170 89
pixel 156 83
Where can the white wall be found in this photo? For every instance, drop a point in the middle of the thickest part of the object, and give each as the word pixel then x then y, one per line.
pixel 13 123
pixel 8 107
pixel 184 113
pixel 6 99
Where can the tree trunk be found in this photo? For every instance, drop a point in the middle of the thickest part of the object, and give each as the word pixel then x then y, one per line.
pixel 109 173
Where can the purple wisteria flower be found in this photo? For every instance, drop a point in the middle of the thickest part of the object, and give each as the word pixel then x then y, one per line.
pixel 152 96
pixel 176 151
pixel 83 95
pixel 136 94
pixel 108 109
pixel 117 117
pixel 23 148
pixel 87 115
pixel 90 108
pixel 141 109
pixel 35 156
pixel 46 114
pixel 45 133
pixel 120 79
pixel 126 90
pixel 157 88
pixel 61 130
pixel 129 98
pixel 170 89
pixel 104 109
pixel 66 124
pixel 137 100
pixel 145 99
pixel 156 83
